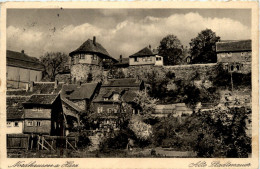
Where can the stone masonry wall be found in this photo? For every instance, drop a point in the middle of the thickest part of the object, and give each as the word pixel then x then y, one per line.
pixel 180 71
pixel 80 72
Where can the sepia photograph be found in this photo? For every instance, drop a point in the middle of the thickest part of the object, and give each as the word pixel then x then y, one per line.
pixel 129 83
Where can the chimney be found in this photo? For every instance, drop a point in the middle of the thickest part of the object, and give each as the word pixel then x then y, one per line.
pixel 31 86
pixel 150 47
pixel 94 40
pixel 22 51
pixel 56 84
pixel 120 60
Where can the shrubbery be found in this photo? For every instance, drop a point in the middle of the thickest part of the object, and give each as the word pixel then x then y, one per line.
pixel 214 133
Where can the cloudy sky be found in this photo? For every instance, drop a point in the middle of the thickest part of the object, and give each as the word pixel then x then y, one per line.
pixel 120 31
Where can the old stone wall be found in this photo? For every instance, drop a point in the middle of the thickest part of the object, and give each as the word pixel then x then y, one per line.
pixel 180 71
pixel 80 72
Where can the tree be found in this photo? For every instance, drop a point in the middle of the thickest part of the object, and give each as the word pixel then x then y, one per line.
pixel 203 47
pixel 53 63
pixel 146 103
pixel 171 49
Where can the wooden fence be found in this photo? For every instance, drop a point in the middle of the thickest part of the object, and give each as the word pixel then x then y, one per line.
pixel 18 141
pixel 45 142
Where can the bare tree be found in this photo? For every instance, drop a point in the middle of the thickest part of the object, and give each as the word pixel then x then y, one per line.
pixel 53 63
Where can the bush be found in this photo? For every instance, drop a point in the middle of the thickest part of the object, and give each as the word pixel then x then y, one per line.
pixel 84 141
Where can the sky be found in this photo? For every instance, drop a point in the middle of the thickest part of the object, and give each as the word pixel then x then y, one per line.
pixel 119 31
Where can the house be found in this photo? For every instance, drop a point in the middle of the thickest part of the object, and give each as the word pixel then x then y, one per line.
pixel 145 56
pixel 80 94
pixel 43 115
pixel 37 108
pixel 235 55
pixel 76 100
pixel 115 100
pixel 158 58
pixel 22 69
pixel 92 53
pixel 174 110
pixel 15 114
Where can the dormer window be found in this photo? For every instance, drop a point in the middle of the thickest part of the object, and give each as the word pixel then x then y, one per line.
pixel 105 98
pixel 115 96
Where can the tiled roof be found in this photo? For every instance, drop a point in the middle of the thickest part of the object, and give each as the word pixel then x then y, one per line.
pixel 43 99
pixel 18 59
pixel 72 105
pixel 144 52
pixel 90 47
pixel 233 46
pixel 38 88
pixel 14 107
pixel 79 92
pixel 126 95
pixel 124 82
pixel 129 96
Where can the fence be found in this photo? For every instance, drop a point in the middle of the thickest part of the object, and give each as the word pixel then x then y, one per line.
pixel 18 141
pixel 26 142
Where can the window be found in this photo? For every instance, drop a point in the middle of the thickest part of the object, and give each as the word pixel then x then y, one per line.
pixel 135 59
pixel 100 109
pixel 158 58
pixel 94 57
pixel 8 124
pixel 38 123
pixel 82 56
pixel 232 68
pixel 16 124
pixel 30 123
pixel 105 98
pixel 37 109
pixel 109 110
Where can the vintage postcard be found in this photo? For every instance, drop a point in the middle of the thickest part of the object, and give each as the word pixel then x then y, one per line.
pixel 129 85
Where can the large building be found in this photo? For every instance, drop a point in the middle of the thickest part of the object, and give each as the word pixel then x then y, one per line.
pixel 22 69
pixel 90 58
pixel 145 56
pixel 235 55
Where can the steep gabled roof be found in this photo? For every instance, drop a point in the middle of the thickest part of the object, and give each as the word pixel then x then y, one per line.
pixel 22 60
pixel 144 52
pixel 42 99
pixel 79 92
pixel 38 88
pixel 14 107
pixel 90 46
pixel 72 105
pixel 234 46
pixel 124 82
